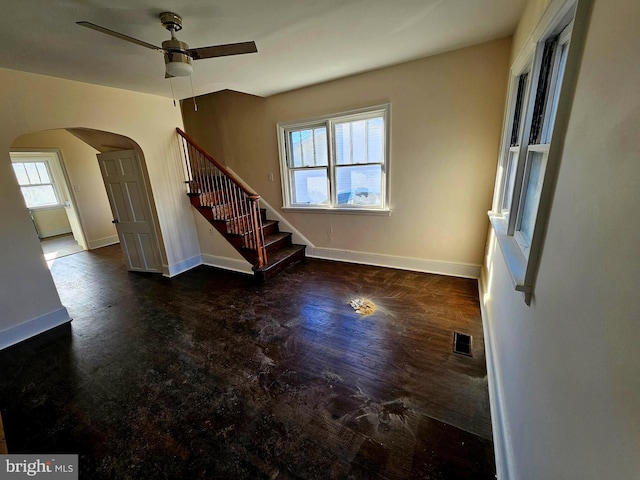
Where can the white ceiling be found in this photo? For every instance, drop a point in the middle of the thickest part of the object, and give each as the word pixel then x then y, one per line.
pixel 300 42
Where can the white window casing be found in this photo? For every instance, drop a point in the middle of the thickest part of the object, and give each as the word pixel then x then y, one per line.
pixel 337 163
pixel 530 156
pixel 38 177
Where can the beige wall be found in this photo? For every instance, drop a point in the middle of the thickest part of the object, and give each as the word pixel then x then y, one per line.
pixel 530 18
pixel 568 366
pixel 86 181
pixel 51 222
pixel 32 103
pixel 446 112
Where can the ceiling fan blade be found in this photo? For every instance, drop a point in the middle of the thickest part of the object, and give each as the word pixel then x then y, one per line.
pixel 223 50
pixel 121 36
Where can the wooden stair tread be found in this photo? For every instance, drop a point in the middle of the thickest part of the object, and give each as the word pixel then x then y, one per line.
pixel 231 207
pixel 280 256
pixel 266 223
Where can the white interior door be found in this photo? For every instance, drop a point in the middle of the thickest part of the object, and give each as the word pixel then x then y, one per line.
pixel 131 209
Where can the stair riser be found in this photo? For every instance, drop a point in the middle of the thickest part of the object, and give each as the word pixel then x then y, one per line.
pixel 230 208
pixel 269 229
pixel 281 243
pixel 280 267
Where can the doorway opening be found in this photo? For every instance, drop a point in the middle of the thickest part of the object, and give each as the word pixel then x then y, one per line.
pixel 73 206
pixel 44 185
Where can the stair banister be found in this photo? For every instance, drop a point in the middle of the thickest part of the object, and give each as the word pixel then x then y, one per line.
pixel 229 199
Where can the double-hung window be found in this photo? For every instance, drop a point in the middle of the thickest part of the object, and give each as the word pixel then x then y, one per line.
pixel 553 53
pixel 337 162
pixel 533 103
pixel 36 180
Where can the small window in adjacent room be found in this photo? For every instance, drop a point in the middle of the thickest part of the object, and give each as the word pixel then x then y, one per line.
pixel 36 181
pixel 337 162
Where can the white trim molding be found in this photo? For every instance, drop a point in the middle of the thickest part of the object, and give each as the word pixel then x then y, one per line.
pixel 103 242
pixel 503 452
pixel 454 269
pixel 552 57
pixel 181 267
pixel 55 232
pixel 34 327
pixel 328 124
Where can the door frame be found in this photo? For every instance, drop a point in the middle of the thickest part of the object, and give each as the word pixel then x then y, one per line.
pixel 65 185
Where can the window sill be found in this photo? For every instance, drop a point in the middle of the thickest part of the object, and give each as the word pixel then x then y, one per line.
pixel 46 207
pixel 340 211
pixel 513 255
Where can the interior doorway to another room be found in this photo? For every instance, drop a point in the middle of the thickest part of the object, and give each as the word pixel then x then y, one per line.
pixel 44 184
pixel 76 204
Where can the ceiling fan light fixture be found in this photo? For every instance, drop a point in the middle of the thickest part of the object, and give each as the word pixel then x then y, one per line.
pixel 178 65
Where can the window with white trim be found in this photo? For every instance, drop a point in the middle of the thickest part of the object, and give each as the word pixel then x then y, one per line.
pixel 545 104
pixel 534 96
pixel 336 162
pixel 36 180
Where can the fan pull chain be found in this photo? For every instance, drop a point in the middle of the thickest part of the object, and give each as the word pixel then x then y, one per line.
pixel 173 95
pixel 193 95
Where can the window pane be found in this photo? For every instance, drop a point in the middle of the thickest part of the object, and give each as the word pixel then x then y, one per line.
pixel 32 173
pixel 361 185
pixel 517 114
pixel 21 173
pixel 361 141
pixel 510 180
pixel 320 142
pixel 343 143
pixel 375 145
pixel 309 187
pixel 556 94
pixel 39 196
pixel 308 147
pixel 43 172
pixel 296 152
pixel 532 195
pixel 535 136
pixel 308 155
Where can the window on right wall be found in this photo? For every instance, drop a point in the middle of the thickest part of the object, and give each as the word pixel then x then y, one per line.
pixel 523 181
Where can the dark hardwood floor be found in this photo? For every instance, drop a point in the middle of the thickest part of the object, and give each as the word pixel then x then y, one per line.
pixel 210 376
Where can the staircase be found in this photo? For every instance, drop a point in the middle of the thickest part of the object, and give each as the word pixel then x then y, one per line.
pixel 234 211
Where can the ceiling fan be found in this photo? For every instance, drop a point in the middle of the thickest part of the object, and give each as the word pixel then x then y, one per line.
pixel 177 55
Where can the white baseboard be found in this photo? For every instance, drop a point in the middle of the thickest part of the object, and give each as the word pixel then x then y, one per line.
pixel 454 269
pixel 103 242
pixel 226 263
pixel 55 232
pixel 501 439
pixel 180 267
pixel 34 327
pixel 464 270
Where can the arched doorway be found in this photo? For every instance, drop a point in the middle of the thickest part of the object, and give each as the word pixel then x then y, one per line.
pixel 80 193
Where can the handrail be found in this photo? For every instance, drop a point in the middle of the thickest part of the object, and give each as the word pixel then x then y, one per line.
pixel 224 197
pixel 219 166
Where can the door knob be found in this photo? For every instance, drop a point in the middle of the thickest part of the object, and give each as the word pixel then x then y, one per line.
pixel 115 221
